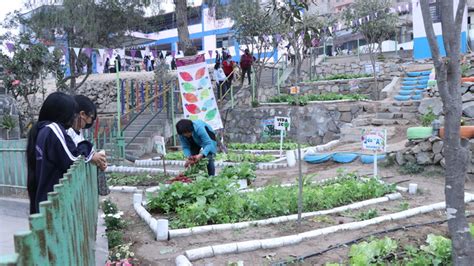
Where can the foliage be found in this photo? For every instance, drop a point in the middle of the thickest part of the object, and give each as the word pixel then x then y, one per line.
pixel 367 215
pixel 411 168
pixel 176 155
pixel 465 70
pixel 114 238
pixel 428 118
pixel 121 252
pixel 197 169
pixel 241 171
pixel 404 206
pixel 118 179
pixel 109 207
pixel 114 221
pixel 341 76
pixel 80 23
pixel 8 122
pixel 287 145
pixel 245 157
pixel 216 200
pixel 303 100
pixel 370 253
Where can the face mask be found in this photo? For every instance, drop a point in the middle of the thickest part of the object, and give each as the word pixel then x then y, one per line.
pixel 89 125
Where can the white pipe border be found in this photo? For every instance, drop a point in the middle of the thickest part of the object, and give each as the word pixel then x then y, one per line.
pixel 321 147
pixel 133 170
pixel 260 166
pixel 174 233
pixel 196 254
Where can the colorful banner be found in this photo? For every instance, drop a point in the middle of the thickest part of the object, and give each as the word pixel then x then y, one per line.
pixel 196 91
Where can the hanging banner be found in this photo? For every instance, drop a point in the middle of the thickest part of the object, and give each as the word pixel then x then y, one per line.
pixel 196 91
pixel 10 46
pixel 76 51
pixel 50 49
pixel 110 52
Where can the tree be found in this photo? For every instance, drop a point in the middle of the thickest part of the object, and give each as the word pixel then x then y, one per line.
pixel 255 28
pixel 84 24
pixel 185 42
pixel 24 72
pixel 456 151
pixel 376 30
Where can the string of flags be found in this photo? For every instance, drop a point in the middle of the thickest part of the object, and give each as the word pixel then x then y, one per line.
pixel 400 10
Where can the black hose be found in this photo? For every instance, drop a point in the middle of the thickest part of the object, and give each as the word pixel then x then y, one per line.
pixel 302 258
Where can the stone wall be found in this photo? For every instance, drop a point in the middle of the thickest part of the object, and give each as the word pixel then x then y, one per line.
pixel 313 123
pixel 427 152
pixel 387 69
pixel 364 86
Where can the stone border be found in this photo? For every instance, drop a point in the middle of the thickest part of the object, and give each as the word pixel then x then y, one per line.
pixel 260 166
pixel 252 245
pixel 133 170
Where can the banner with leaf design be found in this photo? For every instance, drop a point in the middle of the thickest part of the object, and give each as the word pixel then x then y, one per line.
pixel 196 91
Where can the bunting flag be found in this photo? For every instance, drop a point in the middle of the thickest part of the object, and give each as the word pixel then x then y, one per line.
pixel 133 52
pixel 51 49
pixel 154 52
pixel 76 51
pixel 163 53
pixel 10 47
pixel 173 53
pixel 64 49
pixel 102 53
pixel 88 52
pixel 278 37
pixel 314 42
pixel 144 53
pixel 210 53
pixel 110 52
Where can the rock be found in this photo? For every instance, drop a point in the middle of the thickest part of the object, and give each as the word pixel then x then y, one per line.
pixel 424 158
pixel 433 139
pixel 410 158
pixel 468 109
pixel 400 158
pixel 443 162
pixel 434 103
pixel 425 146
pixel 437 147
pixel 464 88
pixel 416 149
pixel 346 117
pixel 437 158
pixel 344 108
pixel 468 97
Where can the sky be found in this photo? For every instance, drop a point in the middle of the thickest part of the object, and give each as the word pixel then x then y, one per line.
pixel 8 6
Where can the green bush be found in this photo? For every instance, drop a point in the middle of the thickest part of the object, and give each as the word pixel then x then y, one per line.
pixel 303 100
pixel 264 146
pixel 119 179
pixel 342 76
pixel 428 118
pixel 114 238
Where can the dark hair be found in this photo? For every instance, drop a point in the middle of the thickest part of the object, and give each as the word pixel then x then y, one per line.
pixel 184 126
pixel 85 104
pixel 59 108
pixel 217 65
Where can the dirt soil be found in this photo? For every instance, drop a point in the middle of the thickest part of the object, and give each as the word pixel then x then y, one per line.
pixel 430 184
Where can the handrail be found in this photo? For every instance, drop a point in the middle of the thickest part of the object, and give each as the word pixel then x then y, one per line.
pixel 146 106
pixel 231 87
pixel 145 125
pixel 278 69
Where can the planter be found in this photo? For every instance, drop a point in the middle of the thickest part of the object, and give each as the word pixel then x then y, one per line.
pixel 467 132
pixel 419 132
pixel 467 79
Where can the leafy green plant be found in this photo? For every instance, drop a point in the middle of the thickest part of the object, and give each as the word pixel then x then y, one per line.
pixel 303 100
pixel 370 253
pixel 8 123
pixel 114 222
pixel 439 247
pixel 242 171
pixel 342 76
pixel 404 206
pixel 428 118
pixel 367 215
pixel 119 179
pixel 216 200
pixel 411 168
pixel 288 145
pixel 465 70
pixel 121 252
pixel 245 157
pixel 255 104
pixel 114 238
pixel 109 207
pixel 197 169
pixel 176 155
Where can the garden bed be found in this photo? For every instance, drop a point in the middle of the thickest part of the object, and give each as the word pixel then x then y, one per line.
pixel 302 100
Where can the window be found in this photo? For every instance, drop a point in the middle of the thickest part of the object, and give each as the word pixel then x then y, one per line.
pixel 222 40
pixel 197 43
pixel 435 11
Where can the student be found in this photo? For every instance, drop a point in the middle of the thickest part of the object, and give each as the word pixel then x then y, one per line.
pixel 219 77
pixel 228 66
pixel 50 151
pixel 194 136
pixel 246 61
pixel 86 115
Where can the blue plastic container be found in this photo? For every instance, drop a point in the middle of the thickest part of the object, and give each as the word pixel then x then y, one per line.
pixel 317 158
pixel 344 157
pixel 402 98
pixel 367 159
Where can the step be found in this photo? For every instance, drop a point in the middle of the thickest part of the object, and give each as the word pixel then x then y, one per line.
pixel 144 133
pixel 139 140
pixel 149 127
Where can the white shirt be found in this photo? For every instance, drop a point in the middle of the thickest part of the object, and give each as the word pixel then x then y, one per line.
pixel 78 138
pixel 219 75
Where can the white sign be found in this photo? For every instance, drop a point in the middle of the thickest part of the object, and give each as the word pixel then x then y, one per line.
pixel 282 123
pixel 160 147
pixel 374 140
pixel 369 68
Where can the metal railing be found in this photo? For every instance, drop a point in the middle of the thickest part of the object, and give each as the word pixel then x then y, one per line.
pixel 231 89
pixel 277 65
pixel 64 231
pixel 13 170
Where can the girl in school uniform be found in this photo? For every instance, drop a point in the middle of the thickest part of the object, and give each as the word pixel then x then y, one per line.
pixel 50 151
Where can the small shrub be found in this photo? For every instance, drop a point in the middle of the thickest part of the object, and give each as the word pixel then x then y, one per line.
pixel 114 238
pixel 255 104
pixel 428 118
pixel 109 207
pixel 367 215
pixel 411 169
pixel 404 206
pixel 114 221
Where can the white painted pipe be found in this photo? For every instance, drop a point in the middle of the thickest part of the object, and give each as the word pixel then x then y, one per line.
pixel 162 229
pixel 181 260
pixel 224 249
pixel 248 246
pixel 412 188
pixel 137 198
pixel 290 158
pixel 199 253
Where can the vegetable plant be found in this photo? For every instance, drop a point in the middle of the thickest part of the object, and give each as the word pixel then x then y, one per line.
pixel 119 179
pixel 303 100
pixel 342 76
pixel 264 146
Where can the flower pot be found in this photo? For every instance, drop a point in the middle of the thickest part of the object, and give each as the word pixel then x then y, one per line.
pixel 467 79
pixel 467 132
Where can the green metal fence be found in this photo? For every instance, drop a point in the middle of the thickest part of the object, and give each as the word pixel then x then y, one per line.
pixel 64 231
pixel 13 169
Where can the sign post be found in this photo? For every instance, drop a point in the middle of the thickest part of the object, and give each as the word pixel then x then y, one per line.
pixel 295 90
pixel 160 147
pixel 375 140
pixel 282 124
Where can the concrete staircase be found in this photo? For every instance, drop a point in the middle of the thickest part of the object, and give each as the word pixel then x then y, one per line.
pixel 139 143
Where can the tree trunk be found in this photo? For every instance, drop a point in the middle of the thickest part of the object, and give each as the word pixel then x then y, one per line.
pixel 448 76
pixel 72 67
pixel 182 24
pixel 374 72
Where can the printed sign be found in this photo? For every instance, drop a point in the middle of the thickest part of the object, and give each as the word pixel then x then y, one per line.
pixel 160 147
pixel 374 140
pixel 268 126
pixel 282 123
pixel 369 68
pixel 295 90
pixel 196 91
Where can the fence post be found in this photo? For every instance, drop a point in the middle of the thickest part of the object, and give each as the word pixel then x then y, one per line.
pixel 173 114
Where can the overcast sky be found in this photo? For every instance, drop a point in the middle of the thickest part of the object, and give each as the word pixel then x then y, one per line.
pixel 7 6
